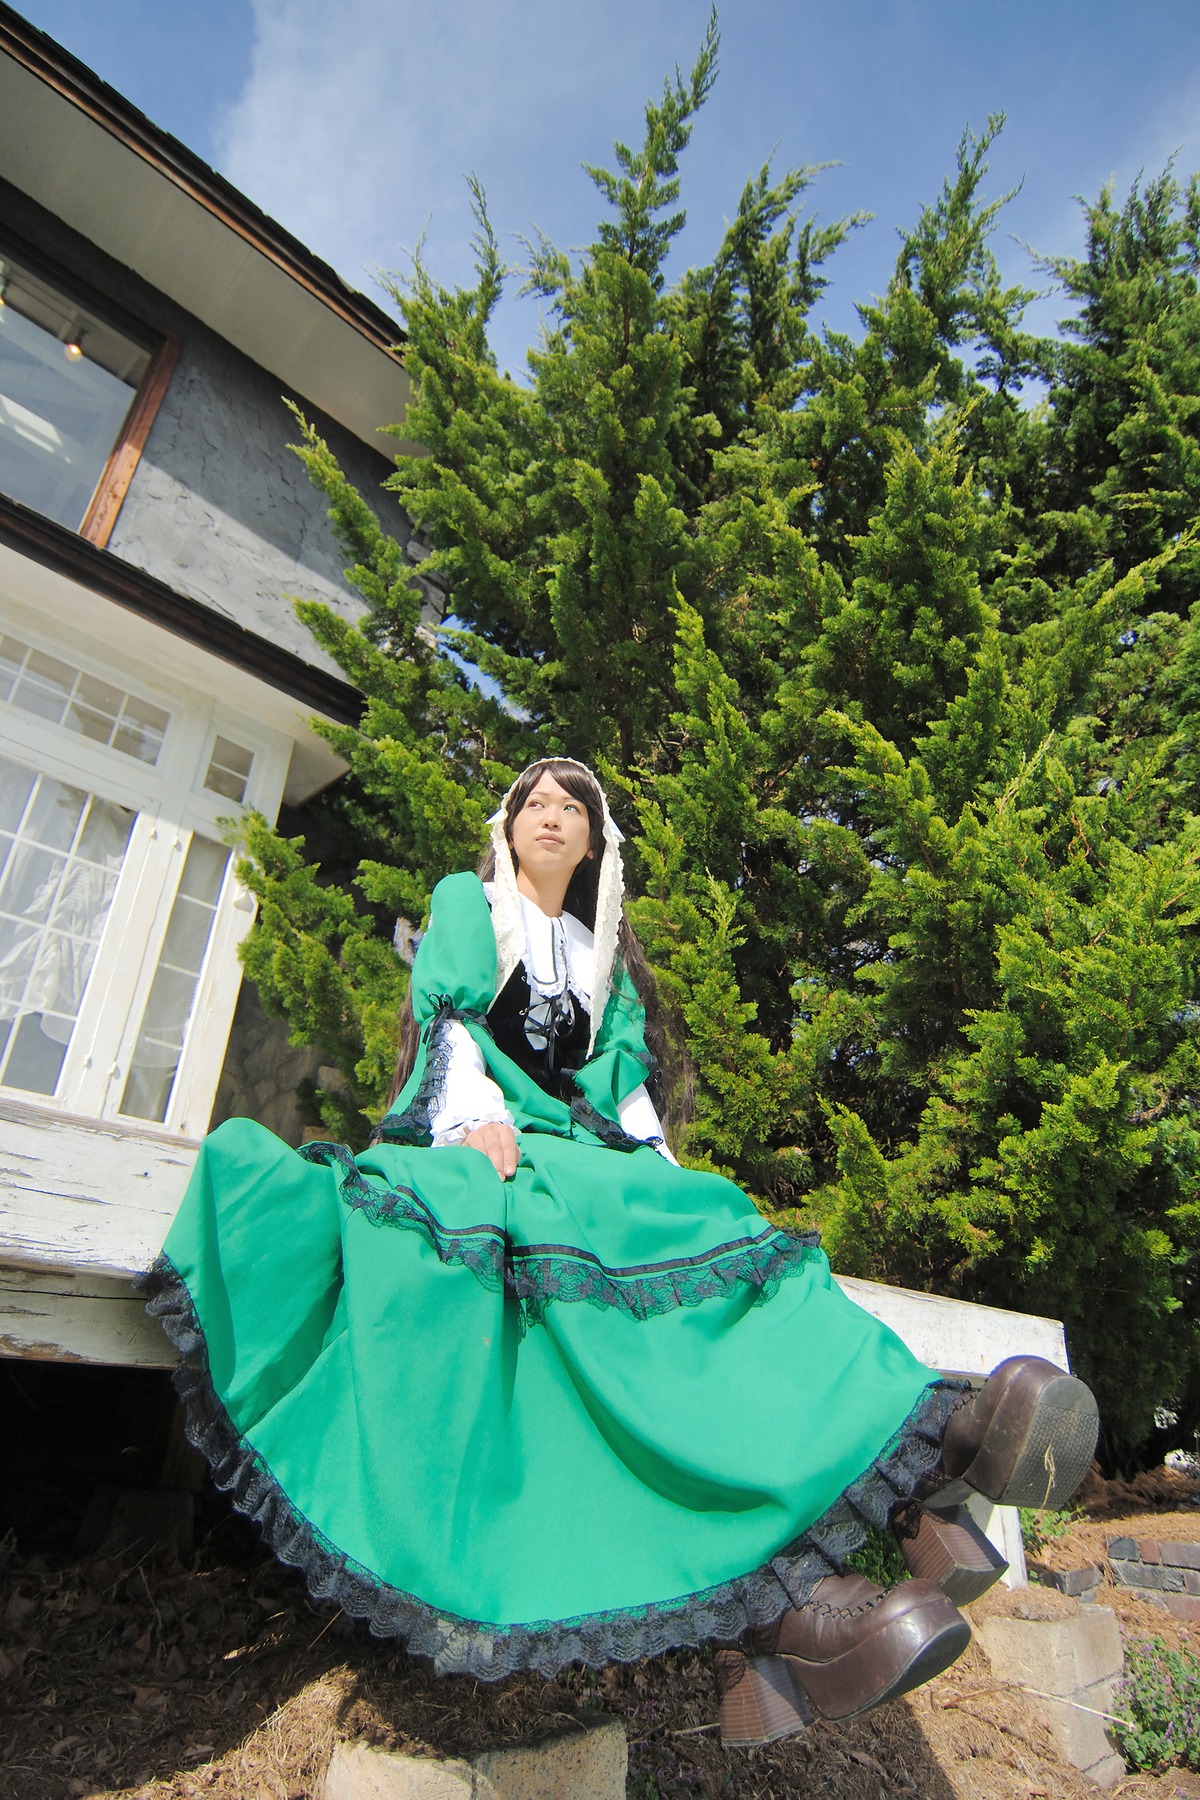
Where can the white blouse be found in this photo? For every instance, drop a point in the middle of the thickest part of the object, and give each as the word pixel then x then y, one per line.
pixel 470 1097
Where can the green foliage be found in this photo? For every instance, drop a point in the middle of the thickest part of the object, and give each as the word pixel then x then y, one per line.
pixel 880 1560
pixel 896 681
pixel 1042 1525
pixel 1160 1693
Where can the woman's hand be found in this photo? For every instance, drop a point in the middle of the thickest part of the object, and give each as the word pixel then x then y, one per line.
pixel 499 1145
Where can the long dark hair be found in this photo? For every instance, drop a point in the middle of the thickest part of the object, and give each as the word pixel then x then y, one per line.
pixel 670 1084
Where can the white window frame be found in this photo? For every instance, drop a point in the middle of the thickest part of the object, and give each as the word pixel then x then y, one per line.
pixel 171 806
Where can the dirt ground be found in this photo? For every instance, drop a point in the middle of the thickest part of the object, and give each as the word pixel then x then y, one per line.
pixel 214 1676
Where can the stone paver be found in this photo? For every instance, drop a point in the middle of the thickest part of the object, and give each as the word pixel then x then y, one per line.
pixel 359 1772
pixel 587 1763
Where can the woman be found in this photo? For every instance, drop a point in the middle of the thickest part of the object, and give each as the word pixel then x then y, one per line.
pixel 514 1386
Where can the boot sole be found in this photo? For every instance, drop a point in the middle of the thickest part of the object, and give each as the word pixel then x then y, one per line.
pixel 949 1549
pixel 820 1682
pixel 1042 1462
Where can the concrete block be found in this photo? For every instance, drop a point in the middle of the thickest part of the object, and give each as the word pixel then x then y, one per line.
pixel 1059 1655
pixel 1076 1583
pixel 1124 1547
pixel 1066 1663
pixel 1148 1575
pixel 1082 1736
pixel 1107 1773
pixel 1148 1550
pixel 587 1764
pixel 1152 1596
pixel 360 1772
pixel 1181 1556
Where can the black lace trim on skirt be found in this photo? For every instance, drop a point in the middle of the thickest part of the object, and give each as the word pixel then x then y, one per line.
pixel 480 1248
pixel 488 1652
pixel 539 1273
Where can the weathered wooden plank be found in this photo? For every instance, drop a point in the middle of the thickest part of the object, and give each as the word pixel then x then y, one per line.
pixel 958 1334
pixel 58 1317
pixel 77 1194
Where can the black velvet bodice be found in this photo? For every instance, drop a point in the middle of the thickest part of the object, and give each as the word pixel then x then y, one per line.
pixel 561 1052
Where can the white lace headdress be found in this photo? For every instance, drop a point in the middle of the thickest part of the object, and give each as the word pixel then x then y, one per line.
pixel 508 920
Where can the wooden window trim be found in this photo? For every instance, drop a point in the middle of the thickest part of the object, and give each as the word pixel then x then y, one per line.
pixel 126 453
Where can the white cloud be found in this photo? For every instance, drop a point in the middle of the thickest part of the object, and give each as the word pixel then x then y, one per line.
pixel 358 122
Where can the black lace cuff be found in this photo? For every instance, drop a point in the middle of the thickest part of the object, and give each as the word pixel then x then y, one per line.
pixel 611 1135
pixel 413 1125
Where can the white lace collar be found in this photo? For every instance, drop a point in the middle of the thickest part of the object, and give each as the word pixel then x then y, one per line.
pixel 557 948
pixel 552 947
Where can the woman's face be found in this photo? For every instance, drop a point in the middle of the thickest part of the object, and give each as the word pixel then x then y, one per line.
pixel 552 832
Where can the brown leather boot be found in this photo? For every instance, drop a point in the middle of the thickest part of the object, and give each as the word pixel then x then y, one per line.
pixel 1027 1437
pixel 850 1647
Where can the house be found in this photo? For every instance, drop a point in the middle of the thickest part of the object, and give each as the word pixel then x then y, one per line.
pixel 153 675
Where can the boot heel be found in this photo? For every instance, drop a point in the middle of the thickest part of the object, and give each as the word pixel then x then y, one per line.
pixel 760 1701
pixel 949 1549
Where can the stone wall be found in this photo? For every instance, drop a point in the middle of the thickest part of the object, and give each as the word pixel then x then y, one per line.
pixel 1166 1574
pixel 262 1071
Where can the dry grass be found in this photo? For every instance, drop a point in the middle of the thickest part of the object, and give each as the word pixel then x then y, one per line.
pixel 218 1678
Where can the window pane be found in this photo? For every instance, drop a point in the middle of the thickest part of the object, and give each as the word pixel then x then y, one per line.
pixel 204 870
pixel 142 729
pixel 54 815
pixel 173 990
pixel 34 1059
pixel 95 709
pixel 67 379
pixel 12 655
pixel 105 833
pixel 16 785
pixel 167 1012
pixel 29 885
pixel 229 769
pixel 187 934
pixel 44 686
pixel 57 878
pixel 58 691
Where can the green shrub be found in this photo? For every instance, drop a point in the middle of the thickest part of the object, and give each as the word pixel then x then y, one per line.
pixel 1160 1693
pixel 1041 1525
pixel 879 1560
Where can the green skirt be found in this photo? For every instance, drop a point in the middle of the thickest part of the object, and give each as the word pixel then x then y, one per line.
pixel 589 1414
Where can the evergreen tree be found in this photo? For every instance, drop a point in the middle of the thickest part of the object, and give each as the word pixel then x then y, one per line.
pixel 894 679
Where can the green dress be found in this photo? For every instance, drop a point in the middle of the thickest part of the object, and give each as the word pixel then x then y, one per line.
pixel 593 1412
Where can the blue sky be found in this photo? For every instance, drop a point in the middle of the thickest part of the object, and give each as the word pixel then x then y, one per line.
pixel 354 122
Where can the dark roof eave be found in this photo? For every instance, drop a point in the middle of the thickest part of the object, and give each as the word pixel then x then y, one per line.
pixel 55 547
pixel 38 53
